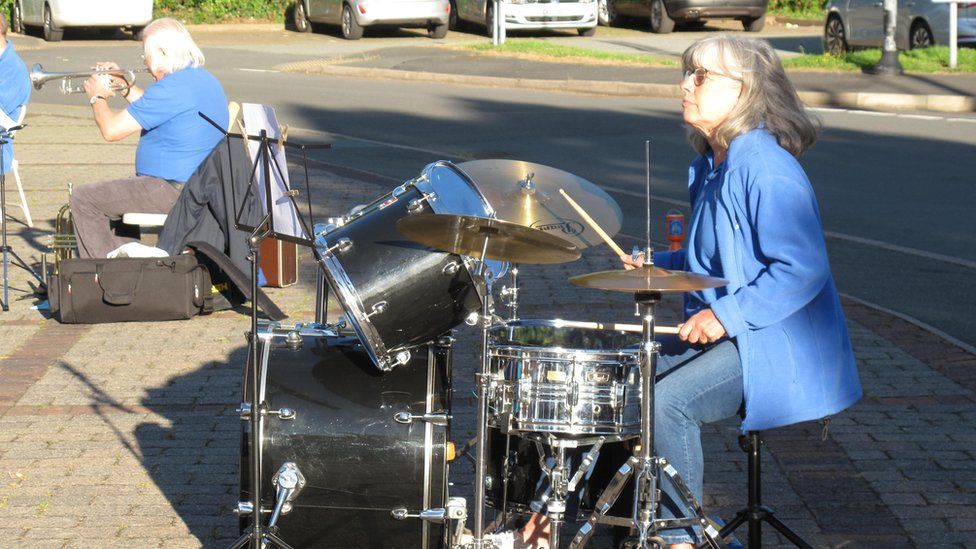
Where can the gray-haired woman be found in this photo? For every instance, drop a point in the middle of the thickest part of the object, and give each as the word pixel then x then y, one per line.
pixel 774 339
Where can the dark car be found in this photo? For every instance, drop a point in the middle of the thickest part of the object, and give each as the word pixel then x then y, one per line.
pixel 663 14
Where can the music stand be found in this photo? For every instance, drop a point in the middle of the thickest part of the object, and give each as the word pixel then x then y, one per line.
pixel 8 252
pixel 272 177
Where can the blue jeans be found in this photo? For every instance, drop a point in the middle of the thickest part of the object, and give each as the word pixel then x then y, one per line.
pixel 695 386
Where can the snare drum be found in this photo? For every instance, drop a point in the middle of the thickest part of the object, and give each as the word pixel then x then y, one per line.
pixel 397 293
pixel 554 376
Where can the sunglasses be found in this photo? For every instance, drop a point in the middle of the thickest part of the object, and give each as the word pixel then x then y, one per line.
pixel 700 73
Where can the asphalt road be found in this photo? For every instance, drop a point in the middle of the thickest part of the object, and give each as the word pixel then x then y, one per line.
pixel 896 191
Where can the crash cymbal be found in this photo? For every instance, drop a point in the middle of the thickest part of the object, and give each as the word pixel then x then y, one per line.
pixel 647 279
pixel 466 234
pixel 528 194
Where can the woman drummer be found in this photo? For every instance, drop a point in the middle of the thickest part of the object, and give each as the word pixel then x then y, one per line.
pixel 772 344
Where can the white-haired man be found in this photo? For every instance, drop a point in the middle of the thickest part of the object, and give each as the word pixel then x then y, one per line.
pixel 174 137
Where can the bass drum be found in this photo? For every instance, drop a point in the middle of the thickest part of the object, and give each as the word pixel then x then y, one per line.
pixel 358 461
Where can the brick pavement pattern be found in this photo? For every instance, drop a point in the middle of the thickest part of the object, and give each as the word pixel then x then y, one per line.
pixel 126 435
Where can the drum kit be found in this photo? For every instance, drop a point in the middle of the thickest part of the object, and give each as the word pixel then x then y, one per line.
pixel 358 410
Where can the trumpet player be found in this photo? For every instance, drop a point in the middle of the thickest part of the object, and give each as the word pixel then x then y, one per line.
pixel 173 138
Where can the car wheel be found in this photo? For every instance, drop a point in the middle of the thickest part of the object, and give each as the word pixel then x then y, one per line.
pixel 351 29
pixel 136 32
pixel 754 24
pixel 300 18
pixel 51 33
pixel 920 36
pixel 17 20
pixel 607 13
pixel 589 31
pixel 490 17
pixel 437 31
pixel 835 39
pixel 453 21
pixel 661 22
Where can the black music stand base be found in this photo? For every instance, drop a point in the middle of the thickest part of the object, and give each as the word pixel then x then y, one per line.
pixel 755 513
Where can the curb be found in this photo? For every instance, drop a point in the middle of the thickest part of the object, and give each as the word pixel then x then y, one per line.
pixel 849 100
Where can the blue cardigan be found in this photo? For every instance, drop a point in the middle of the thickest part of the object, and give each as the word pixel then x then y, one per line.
pixel 781 305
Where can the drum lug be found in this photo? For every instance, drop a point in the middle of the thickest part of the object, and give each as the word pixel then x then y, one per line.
pixel 451 268
pixel 245 411
pixel 406 418
pixel 378 308
pixel 342 245
pixel 417 204
pixel 436 515
pixel 284 414
pixel 294 339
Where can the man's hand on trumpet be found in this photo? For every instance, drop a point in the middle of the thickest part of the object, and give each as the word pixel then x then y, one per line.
pixel 100 85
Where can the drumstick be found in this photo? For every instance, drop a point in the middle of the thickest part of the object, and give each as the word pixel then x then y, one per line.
pixel 233 109
pixel 589 220
pixel 636 328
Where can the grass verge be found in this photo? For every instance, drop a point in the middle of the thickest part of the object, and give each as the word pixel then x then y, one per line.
pixel 546 51
pixel 928 60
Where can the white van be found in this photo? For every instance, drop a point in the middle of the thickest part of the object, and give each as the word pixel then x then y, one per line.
pixel 530 14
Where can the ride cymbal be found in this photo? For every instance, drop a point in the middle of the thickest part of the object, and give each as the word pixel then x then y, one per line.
pixel 485 238
pixel 647 279
pixel 528 194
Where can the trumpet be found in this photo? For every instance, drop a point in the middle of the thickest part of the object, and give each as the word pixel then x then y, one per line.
pixel 39 77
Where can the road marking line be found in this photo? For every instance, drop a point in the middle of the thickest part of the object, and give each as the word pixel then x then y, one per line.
pixel 910 319
pixel 442 154
pixel 257 70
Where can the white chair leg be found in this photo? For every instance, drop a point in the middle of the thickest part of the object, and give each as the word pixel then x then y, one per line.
pixel 20 189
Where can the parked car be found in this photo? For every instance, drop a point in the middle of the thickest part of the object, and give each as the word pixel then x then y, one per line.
pixel 531 14
pixel 353 16
pixel 53 16
pixel 921 23
pixel 664 14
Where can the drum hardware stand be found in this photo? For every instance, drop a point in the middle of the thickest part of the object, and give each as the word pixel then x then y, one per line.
pixel 483 382
pixel 644 467
pixel 560 482
pixel 510 294
pixel 9 255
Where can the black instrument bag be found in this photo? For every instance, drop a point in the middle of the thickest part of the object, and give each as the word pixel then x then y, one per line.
pixel 89 291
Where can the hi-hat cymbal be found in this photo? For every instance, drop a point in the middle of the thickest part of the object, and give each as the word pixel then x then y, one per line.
pixel 466 235
pixel 647 279
pixel 528 194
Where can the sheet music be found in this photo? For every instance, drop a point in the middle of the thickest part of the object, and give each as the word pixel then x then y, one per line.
pixel 284 215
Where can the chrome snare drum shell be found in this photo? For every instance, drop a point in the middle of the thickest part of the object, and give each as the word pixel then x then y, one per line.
pixel 555 376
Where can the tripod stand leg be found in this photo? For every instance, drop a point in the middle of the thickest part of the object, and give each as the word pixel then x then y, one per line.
pixel 709 532
pixel 605 502
pixel 787 533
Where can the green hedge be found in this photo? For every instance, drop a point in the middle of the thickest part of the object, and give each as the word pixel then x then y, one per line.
pixel 813 9
pixel 213 11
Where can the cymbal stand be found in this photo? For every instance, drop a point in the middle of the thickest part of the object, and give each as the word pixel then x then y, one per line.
pixel 510 294
pixel 644 467
pixel 9 255
pixel 483 382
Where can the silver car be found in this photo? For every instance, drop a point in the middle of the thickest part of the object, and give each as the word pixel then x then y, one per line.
pixel 921 23
pixel 353 15
pixel 531 14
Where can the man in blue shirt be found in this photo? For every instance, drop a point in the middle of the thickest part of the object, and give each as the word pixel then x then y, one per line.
pixel 15 88
pixel 174 139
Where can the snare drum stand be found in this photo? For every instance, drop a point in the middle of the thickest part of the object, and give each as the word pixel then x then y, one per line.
pixel 644 466
pixel 560 482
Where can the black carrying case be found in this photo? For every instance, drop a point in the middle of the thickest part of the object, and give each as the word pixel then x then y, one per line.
pixel 131 289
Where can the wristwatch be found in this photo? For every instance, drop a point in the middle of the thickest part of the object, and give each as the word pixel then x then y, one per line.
pixel 94 98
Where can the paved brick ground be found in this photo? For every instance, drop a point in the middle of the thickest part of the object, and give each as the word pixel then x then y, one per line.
pixel 125 435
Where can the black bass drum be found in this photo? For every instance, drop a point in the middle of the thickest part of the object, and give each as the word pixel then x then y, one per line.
pixel 360 461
